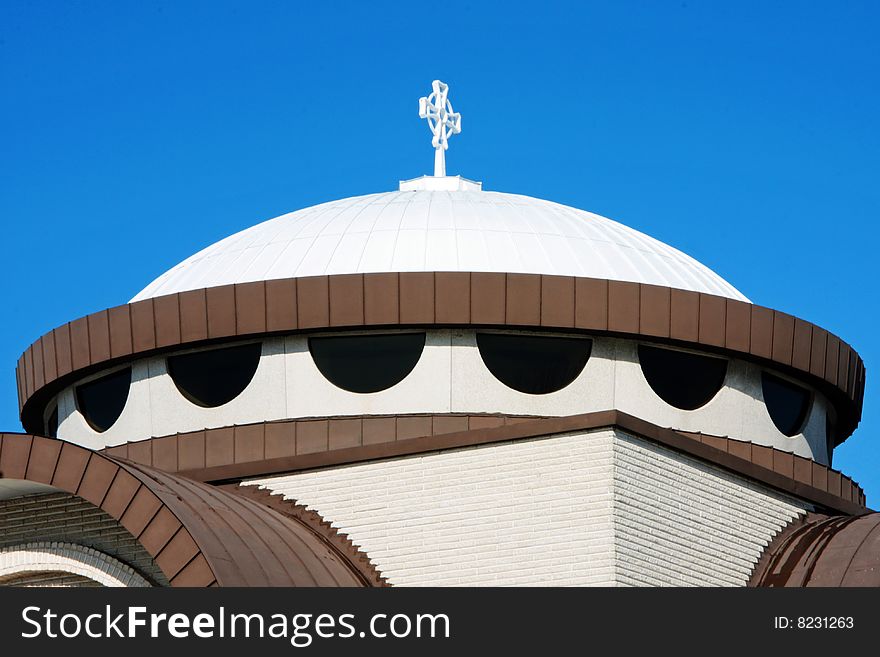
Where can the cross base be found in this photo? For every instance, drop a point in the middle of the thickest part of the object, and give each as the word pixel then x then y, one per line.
pixel 440 184
pixel 439 162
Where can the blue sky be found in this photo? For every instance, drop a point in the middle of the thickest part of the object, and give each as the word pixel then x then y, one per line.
pixel 745 134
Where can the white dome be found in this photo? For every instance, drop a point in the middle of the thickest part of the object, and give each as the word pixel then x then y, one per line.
pixel 472 231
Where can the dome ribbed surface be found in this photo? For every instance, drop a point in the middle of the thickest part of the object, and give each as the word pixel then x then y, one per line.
pixel 439 231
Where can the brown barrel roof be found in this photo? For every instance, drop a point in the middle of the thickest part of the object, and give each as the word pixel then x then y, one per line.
pixel 823 550
pixel 198 535
pixel 435 299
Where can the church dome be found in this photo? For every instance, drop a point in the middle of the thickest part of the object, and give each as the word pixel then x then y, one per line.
pixel 440 230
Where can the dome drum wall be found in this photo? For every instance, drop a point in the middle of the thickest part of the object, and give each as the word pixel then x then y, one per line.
pixel 309 306
pixel 450 376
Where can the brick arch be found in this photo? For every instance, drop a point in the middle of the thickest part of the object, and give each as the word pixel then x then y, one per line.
pixel 198 535
pixel 42 557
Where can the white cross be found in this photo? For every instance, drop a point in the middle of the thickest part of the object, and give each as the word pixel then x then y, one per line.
pixel 442 121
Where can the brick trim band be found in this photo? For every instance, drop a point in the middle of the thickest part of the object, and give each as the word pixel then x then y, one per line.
pixel 256 450
pixel 197 534
pixel 435 300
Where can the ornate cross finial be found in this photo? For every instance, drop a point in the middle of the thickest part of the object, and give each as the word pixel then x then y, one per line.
pixel 442 121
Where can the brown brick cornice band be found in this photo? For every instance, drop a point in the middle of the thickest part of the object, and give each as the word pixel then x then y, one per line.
pixel 198 535
pixel 435 300
pixel 268 448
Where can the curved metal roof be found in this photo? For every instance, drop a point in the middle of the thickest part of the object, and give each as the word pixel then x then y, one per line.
pixel 424 230
pixel 198 535
pixel 823 550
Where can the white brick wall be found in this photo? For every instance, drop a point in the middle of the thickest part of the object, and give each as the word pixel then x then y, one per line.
pixel 593 508
pixel 531 512
pixel 679 521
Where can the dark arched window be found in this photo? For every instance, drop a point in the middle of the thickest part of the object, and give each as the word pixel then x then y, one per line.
pixel 367 363
pixel 214 377
pixel 786 402
pixel 534 364
pixel 101 401
pixel 52 423
pixel 680 378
